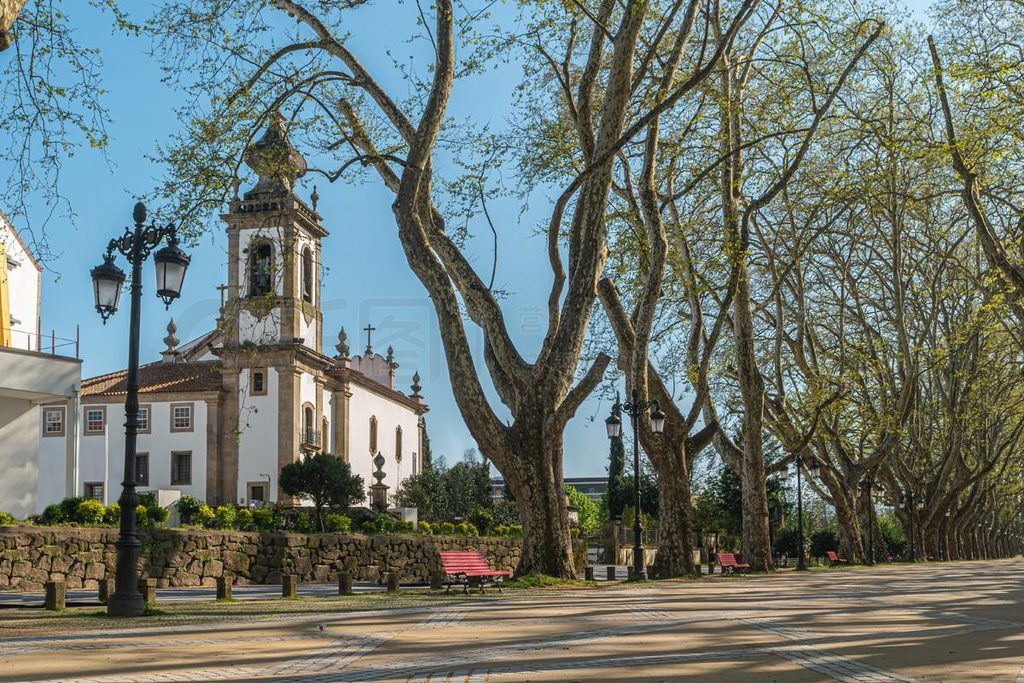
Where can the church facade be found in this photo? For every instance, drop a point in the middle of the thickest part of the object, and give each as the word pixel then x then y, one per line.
pixel 223 413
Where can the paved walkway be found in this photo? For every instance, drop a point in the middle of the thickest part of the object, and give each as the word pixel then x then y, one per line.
pixel 941 622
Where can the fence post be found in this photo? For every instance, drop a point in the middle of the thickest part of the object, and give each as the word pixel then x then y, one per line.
pixel 56 595
pixel 289 585
pixel 392 582
pixel 611 573
pixel 224 587
pixel 344 583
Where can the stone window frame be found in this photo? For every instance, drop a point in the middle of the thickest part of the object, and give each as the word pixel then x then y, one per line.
pixel 139 481
pixel 55 410
pixel 89 490
pixel 191 417
pixel 176 479
pixel 148 407
pixel 102 410
pixel 253 391
pixel 262 485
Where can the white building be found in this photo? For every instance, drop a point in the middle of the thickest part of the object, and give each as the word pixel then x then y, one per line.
pixel 225 412
pixel 34 369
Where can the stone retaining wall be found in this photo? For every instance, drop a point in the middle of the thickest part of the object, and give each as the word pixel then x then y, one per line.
pixel 30 556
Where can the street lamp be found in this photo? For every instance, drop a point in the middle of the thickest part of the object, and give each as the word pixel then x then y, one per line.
pixel 107 279
pixel 814 470
pixel 635 408
pixel 866 483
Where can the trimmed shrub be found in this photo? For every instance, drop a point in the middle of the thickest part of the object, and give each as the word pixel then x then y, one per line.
pixel 381 524
pixel 188 508
pixel 204 516
pixel 482 519
pixel 68 508
pixel 53 514
pixel 157 514
pixel 6 518
pixel 89 512
pixel 243 518
pixel 112 515
pixel 304 523
pixel 142 515
pixel 339 524
pixel 426 529
pixel 265 519
pixel 447 529
pixel 466 529
pixel 224 517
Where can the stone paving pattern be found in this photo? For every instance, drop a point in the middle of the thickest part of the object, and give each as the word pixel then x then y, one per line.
pixel 939 622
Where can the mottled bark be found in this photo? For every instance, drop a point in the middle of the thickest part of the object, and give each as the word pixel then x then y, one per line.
pixel 675 531
pixel 9 11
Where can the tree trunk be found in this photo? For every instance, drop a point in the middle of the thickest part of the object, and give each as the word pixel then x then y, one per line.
pixel 675 532
pixel 539 490
pixel 849 531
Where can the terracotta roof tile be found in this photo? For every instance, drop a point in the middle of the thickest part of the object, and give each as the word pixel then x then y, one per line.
pixel 155 377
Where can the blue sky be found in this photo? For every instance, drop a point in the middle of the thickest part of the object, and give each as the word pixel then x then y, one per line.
pixel 367 278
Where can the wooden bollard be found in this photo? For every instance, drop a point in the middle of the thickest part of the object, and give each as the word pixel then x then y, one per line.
pixel 56 595
pixel 392 582
pixel 224 586
pixel 344 583
pixel 289 586
pixel 105 590
pixel 588 573
pixel 148 589
pixel 436 580
pixel 611 573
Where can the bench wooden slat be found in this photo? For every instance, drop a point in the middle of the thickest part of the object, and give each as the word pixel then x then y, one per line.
pixel 462 565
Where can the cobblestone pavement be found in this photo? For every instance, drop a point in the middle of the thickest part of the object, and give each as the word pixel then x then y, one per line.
pixel 937 622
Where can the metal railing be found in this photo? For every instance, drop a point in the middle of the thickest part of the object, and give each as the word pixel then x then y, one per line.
pixel 49 344
pixel 310 437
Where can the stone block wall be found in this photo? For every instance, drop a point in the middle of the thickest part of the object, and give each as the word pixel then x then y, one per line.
pixel 30 556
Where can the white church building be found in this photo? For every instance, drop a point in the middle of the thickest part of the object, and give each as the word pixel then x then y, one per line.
pixel 222 414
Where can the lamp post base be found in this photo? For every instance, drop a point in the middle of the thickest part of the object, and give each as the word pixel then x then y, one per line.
pixel 126 604
pixel 637 576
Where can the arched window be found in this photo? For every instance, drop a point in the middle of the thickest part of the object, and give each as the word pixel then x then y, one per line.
pixel 398 443
pixel 307 275
pixel 373 435
pixel 309 415
pixel 261 262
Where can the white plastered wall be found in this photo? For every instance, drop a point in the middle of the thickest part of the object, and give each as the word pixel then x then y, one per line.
pixel 257 446
pixel 389 414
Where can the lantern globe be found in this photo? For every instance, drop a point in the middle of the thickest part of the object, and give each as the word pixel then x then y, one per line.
pixel 107 282
pixel 171 264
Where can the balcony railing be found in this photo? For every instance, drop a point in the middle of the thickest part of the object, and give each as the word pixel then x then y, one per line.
pixel 310 438
pixel 49 344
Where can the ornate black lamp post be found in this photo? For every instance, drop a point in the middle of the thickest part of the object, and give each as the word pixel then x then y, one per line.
pixel 866 483
pixel 171 263
pixel 635 408
pixel 911 512
pixel 812 468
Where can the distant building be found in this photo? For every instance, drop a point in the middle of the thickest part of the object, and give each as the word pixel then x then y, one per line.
pixel 593 488
pixel 35 369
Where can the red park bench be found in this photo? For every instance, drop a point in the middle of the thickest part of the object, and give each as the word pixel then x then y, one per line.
pixel 834 559
pixel 464 566
pixel 729 561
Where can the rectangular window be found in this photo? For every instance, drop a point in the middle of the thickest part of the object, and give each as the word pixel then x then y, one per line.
pixel 181 468
pixel 181 417
pixel 142 469
pixel 94 490
pixel 95 420
pixel 258 492
pixel 259 382
pixel 53 421
pixel 143 419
